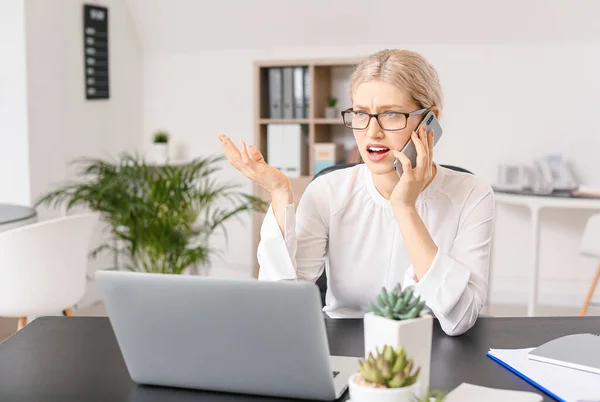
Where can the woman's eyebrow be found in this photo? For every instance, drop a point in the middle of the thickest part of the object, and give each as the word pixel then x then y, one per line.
pixel 379 107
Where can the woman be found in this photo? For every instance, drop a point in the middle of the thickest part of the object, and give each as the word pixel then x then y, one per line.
pixel 368 228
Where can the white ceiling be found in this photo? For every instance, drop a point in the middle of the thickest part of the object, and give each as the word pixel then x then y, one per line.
pixel 191 25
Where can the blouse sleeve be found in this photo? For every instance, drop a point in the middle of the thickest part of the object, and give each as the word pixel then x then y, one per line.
pixel 455 286
pixel 298 253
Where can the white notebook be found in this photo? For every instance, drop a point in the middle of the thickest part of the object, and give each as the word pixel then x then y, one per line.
pixel 564 384
pixel 475 393
pixel 580 351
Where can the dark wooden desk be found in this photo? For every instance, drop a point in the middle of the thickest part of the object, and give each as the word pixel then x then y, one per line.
pixel 70 359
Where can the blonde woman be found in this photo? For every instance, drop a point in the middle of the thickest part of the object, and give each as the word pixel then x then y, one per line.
pixel 368 228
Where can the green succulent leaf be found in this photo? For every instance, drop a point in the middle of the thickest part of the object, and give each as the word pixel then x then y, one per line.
pixel 386 371
pixel 375 309
pixel 408 294
pixel 399 306
pixel 389 355
pixel 400 360
pixel 410 380
pixel 397 381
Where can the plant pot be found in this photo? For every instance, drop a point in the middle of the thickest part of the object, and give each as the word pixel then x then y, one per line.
pixel 361 393
pixel 160 153
pixel 331 113
pixel 414 335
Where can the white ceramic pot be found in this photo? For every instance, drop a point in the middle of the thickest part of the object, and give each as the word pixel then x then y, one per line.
pixel 360 393
pixel 160 153
pixel 414 335
pixel 331 113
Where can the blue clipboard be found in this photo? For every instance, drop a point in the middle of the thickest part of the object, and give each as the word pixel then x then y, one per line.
pixel 529 380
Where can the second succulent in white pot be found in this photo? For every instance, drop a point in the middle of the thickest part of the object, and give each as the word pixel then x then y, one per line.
pixel 331 110
pixel 389 376
pixel 398 320
pixel 160 148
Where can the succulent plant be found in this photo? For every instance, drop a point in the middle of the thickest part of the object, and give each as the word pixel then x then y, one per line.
pixel 398 304
pixel 390 369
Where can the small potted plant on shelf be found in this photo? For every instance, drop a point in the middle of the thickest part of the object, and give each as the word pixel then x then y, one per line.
pixel 390 376
pixel 398 320
pixel 161 147
pixel 330 110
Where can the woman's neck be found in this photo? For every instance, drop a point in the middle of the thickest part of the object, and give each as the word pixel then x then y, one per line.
pixel 385 184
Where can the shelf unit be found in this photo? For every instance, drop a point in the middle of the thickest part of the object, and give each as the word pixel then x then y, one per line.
pixel 327 77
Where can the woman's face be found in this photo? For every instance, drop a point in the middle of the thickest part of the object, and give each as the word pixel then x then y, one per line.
pixel 374 143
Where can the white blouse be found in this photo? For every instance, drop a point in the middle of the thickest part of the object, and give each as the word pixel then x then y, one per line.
pixel 345 226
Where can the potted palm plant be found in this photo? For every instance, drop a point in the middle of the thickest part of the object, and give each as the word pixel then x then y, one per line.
pixel 160 150
pixel 398 319
pixel 160 218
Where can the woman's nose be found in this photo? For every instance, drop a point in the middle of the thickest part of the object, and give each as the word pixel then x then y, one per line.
pixel 374 130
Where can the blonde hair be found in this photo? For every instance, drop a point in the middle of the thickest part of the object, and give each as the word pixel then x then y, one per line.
pixel 405 69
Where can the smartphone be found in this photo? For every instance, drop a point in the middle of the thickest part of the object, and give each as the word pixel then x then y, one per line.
pixel 410 150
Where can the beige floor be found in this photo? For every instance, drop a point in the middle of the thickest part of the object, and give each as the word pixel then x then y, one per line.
pixel 9 325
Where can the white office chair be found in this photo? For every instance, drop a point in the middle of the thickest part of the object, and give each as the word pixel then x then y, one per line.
pixel 590 246
pixel 43 266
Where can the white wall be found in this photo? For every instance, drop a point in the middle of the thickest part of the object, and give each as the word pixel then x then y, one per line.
pixel 503 103
pixel 63 125
pixel 14 161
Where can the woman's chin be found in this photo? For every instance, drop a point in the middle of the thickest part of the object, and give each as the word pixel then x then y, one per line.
pixel 380 167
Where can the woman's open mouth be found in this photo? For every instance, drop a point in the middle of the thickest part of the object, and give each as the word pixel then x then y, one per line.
pixel 377 152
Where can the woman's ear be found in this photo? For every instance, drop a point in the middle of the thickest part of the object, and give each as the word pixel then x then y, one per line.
pixel 436 111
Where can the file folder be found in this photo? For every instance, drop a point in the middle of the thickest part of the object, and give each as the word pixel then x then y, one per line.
pixel 275 93
pixel 288 92
pixel 299 111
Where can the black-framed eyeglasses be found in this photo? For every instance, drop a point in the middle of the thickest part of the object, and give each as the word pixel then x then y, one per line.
pixel 389 121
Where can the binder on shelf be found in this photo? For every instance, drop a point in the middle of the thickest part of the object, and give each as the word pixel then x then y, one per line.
pixel 288 92
pixel 295 150
pixel 275 145
pixel 328 154
pixel 307 91
pixel 299 110
pixel 287 148
pixel 275 93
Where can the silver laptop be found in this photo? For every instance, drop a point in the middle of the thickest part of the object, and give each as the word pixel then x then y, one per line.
pixel 231 335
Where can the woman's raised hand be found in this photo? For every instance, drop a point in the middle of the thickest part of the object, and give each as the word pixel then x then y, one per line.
pixel 252 164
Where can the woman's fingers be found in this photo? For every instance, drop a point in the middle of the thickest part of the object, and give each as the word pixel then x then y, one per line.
pixel 256 155
pixel 421 152
pixel 407 170
pixel 244 152
pixel 231 152
pixel 430 143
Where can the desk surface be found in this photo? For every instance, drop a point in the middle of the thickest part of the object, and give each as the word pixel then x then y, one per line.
pixel 77 359
pixel 10 213
pixel 547 201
